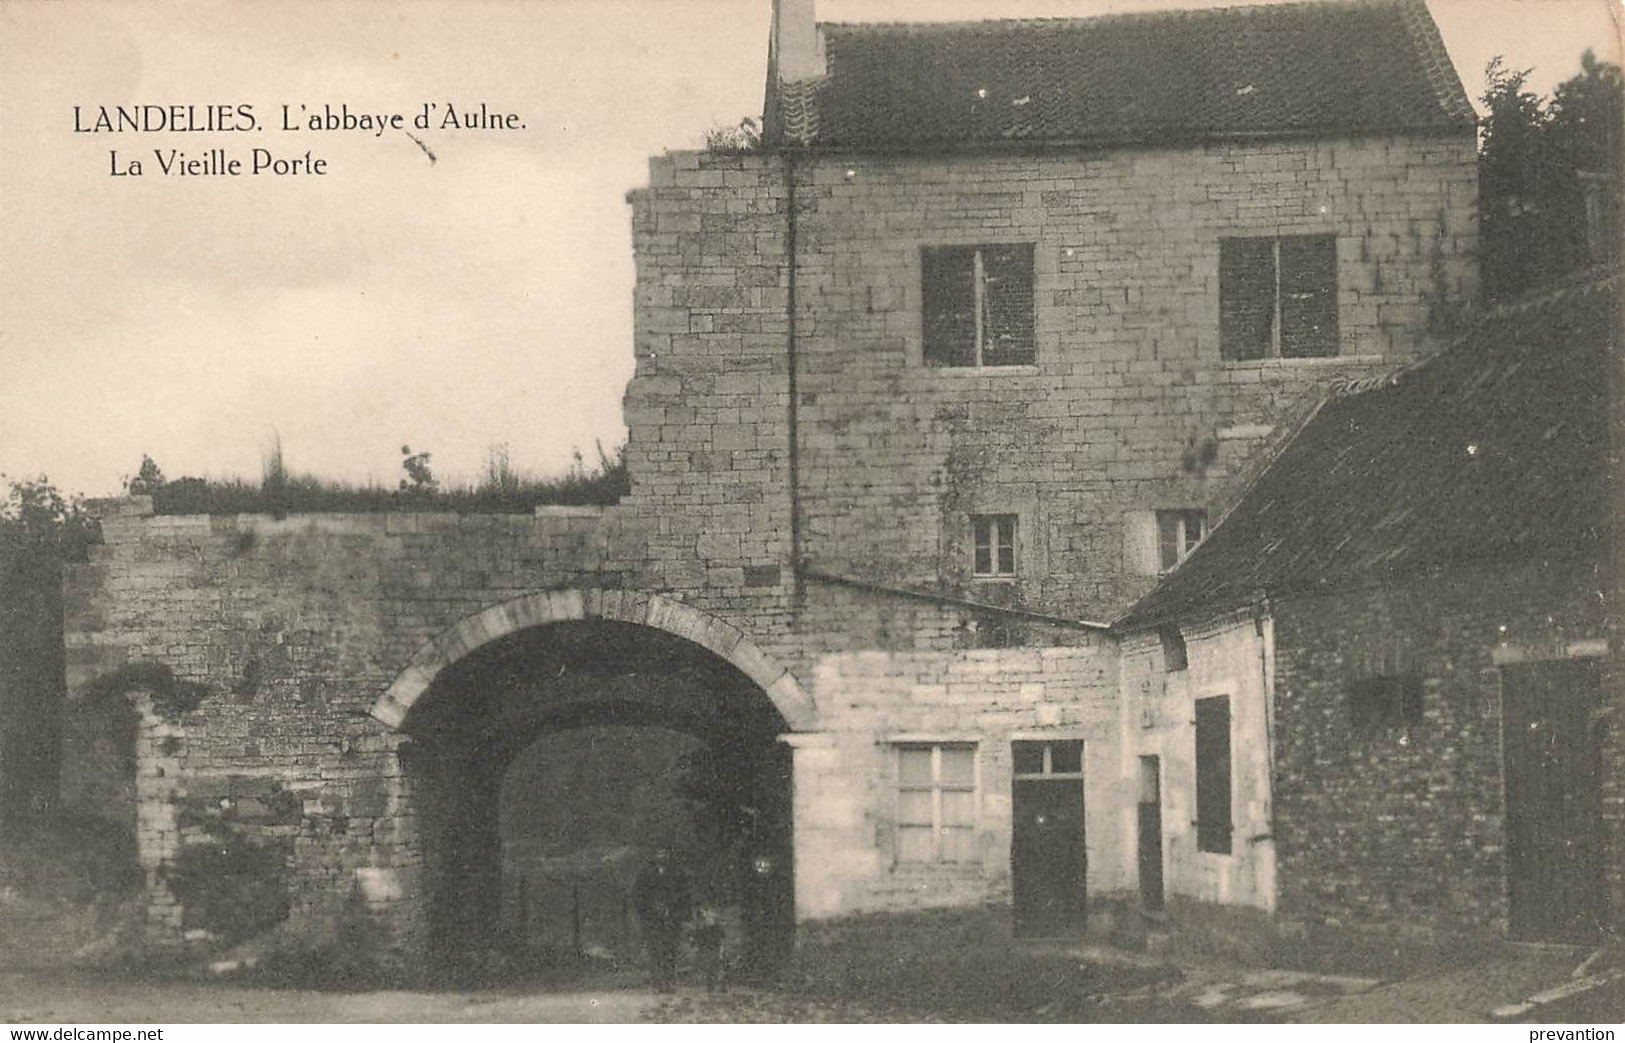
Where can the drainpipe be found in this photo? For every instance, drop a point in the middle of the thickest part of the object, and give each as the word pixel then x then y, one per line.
pixel 793 463
pixel 1264 626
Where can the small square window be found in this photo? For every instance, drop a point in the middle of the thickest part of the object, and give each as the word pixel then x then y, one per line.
pixel 1178 533
pixel 1377 703
pixel 993 545
pixel 1174 658
pixel 978 305
pixel 936 803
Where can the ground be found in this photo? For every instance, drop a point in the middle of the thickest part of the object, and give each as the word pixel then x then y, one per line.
pixel 51 1000
pixel 1116 989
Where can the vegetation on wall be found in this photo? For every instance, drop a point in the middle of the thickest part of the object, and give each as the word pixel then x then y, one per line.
pixel 231 874
pixel 726 139
pixel 231 885
pixel 500 490
pixel 171 696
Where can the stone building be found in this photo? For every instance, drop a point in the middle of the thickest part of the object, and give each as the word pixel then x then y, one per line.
pixel 941 378
pixel 1379 695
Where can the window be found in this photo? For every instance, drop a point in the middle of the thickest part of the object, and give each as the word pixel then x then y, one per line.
pixel 1213 775
pixel 1386 692
pixel 1061 758
pixel 993 544
pixel 1278 297
pixel 1178 533
pixel 936 803
pixel 1386 702
pixel 978 305
pixel 1173 649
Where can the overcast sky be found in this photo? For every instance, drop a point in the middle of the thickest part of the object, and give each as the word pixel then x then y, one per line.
pixel 483 298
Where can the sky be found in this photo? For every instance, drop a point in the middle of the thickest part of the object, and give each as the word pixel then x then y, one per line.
pixel 481 299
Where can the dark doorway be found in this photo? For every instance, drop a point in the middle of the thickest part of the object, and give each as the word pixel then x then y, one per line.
pixel 1151 833
pixel 1048 859
pixel 1553 765
pixel 551 765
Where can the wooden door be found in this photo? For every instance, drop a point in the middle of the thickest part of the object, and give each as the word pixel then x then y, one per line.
pixel 1553 775
pixel 1048 860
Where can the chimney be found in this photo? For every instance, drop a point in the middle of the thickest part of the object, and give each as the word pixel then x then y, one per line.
pixel 796 51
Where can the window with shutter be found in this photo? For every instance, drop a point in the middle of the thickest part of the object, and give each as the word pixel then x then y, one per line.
pixel 1277 297
pixel 978 305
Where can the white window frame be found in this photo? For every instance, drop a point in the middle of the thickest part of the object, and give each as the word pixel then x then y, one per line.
pixel 1183 544
pixel 995 524
pixel 936 789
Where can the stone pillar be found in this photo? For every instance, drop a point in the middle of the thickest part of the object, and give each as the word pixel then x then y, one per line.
pixel 831 844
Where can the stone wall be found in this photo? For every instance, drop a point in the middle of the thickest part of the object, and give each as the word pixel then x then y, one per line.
pixel 295 627
pixel 846 775
pixel 1128 407
pixel 1404 827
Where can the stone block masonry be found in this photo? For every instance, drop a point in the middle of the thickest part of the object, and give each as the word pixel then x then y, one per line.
pixel 802 487
pixel 1127 381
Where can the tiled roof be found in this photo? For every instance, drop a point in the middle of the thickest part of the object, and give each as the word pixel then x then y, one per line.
pixel 1298 68
pixel 1493 451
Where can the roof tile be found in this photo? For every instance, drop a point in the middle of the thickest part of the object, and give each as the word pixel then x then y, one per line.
pixel 1296 68
pixel 1495 450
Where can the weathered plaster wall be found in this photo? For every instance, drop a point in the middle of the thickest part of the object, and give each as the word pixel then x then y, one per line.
pixel 1225 657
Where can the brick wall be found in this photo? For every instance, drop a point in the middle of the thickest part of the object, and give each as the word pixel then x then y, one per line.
pixel 1405 827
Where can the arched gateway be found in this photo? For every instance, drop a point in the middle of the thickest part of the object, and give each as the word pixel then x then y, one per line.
pixel 556 606
pixel 555 739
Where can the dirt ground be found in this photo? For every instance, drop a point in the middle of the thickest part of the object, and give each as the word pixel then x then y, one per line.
pixel 50 1000
pixel 1196 996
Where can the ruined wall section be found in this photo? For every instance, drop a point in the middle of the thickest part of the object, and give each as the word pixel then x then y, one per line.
pixel 1128 399
pixel 707 410
pixel 273 639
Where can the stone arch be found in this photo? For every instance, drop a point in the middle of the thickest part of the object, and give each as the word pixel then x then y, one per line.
pixel 555 606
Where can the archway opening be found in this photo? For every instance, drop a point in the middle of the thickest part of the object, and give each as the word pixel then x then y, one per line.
pixel 548 767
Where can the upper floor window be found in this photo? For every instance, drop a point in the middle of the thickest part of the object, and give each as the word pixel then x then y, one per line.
pixel 936 805
pixel 1178 533
pixel 978 305
pixel 1277 297
pixel 1174 655
pixel 993 545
